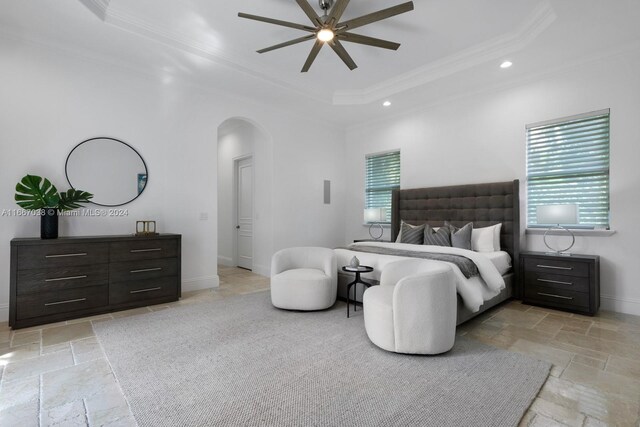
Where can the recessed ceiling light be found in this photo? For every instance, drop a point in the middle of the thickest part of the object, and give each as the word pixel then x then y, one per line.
pixel 506 64
pixel 386 103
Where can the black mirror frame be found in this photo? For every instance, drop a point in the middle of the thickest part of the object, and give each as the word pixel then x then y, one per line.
pixel 146 168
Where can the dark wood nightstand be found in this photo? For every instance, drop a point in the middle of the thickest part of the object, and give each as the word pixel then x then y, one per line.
pixel 570 283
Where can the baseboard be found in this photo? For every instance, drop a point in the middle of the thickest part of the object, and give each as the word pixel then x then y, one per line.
pixel 620 305
pixel 226 261
pixel 200 283
pixel 4 312
pixel 262 270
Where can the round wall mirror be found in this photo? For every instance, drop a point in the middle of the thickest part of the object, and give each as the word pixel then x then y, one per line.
pixel 111 169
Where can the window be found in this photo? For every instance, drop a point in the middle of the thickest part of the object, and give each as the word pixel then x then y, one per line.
pixel 568 163
pixel 382 177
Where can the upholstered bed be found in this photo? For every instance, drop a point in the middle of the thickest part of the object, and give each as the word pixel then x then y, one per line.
pixel 483 205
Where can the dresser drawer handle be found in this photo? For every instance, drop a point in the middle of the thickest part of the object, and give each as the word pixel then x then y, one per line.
pixel 65 302
pixel 144 290
pixel 65 278
pixel 554 267
pixel 66 255
pixel 136 251
pixel 145 270
pixel 554 296
pixel 555 281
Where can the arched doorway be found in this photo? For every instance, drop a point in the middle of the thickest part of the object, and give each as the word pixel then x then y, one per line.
pixel 244 196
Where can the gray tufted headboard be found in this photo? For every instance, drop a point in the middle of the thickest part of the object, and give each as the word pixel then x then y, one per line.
pixel 482 204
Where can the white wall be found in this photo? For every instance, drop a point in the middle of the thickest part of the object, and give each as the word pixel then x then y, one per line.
pixel 238 138
pixel 481 138
pixel 52 100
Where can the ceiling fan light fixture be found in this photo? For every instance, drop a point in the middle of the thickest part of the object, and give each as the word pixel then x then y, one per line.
pixel 330 29
pixel 325 35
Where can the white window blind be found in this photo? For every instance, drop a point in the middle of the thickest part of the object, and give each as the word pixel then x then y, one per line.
pixel 382 177
pixel 568 163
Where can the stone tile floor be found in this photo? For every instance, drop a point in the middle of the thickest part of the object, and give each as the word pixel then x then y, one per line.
pixel 57 374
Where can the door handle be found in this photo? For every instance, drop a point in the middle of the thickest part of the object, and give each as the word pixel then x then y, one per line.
pixel 237 227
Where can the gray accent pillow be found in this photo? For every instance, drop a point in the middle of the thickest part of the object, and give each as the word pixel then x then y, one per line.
pixel 412 234
pixel 460 237
pixel 441 237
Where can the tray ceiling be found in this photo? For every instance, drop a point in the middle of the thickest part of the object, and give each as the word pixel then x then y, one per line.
pixel 205 43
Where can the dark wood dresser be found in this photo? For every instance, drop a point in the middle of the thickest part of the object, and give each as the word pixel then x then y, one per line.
pixel 66 278
pixel 570 283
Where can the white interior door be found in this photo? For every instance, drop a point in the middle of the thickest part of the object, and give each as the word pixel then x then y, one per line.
pixel 244 210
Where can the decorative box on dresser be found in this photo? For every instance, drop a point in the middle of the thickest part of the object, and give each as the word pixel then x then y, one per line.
pixel 60 279
pixel 570 283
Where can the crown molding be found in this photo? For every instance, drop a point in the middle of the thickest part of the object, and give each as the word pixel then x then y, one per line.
pixel 118 18
pixel 134 70
pixel 625 50
pixel 97 7
pixel 538 21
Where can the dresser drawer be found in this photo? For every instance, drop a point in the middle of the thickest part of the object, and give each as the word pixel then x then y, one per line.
pixel 142 290
pixel 560 298
pixel 144 269
pixel 67 301
pixel 56 279
pixel 563 267
pixel 556 281
pixel 144 248
pixel 62 255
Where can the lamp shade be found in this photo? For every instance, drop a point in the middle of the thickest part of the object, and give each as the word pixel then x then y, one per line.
pixel 375 215
pixel 557 214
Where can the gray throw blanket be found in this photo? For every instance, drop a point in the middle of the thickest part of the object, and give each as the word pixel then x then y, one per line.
pixel 466 266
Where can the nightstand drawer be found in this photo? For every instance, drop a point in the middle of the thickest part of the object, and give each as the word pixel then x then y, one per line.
pixel 560 298
pixel 556 281
pixel 565 267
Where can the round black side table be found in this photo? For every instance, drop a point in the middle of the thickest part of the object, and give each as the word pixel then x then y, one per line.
pixel 357 270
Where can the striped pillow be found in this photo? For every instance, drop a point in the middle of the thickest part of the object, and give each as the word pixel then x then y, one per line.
pixel 441 237
pixel 412 234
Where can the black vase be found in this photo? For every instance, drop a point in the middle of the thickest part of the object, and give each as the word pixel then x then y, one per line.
pixel 49 223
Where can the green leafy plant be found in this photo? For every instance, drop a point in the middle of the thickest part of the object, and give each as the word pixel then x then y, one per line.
pixel 34 192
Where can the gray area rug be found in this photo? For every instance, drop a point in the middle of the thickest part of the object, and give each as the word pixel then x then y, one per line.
pixel 241 361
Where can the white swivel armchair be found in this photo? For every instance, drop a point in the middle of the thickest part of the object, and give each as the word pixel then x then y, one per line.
pixel 414 308
pixel 304 279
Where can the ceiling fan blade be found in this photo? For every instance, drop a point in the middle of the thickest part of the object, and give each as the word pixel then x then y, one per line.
pixel 289 43
pixel 277 22
pixel 342 53
pixel 309 11
pixel 312 56
pixel 336 11
pixel 375 16
pixel 369 41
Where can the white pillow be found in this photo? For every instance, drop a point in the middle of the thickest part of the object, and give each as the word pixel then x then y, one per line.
pixel 486 239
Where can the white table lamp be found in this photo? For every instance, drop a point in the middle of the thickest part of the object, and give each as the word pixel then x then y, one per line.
pixel 374 216
pixel 558 216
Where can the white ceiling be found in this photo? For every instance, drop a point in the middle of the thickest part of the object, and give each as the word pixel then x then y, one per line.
pixel 448 47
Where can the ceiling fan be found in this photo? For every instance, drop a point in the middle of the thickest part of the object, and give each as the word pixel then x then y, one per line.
pixel 328 29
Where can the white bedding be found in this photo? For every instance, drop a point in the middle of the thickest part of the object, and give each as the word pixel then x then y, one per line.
pixel 474 291
pixel 500 259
